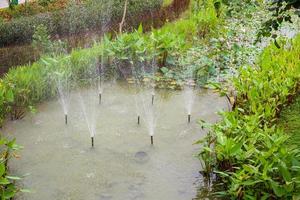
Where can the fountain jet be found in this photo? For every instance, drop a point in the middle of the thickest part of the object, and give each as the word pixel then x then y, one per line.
pixel 151 137
pixel 66 119
pixel 153 99
pixel 189 98
pixel 100 98
pixel 139 119
pixel 92 139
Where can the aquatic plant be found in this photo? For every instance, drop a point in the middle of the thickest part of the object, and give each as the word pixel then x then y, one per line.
pixel 6 97
pixel 8 189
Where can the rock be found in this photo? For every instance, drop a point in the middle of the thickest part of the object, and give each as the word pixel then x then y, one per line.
pixel 141 157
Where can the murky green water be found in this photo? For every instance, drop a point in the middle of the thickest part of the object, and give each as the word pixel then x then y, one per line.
pixel 63 166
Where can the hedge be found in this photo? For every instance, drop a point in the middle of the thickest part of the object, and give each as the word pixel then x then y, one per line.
pixel 74 19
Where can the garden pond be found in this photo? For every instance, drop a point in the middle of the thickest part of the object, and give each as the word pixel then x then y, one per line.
pixel 61 164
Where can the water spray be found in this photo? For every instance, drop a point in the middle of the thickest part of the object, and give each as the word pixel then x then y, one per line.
pixel 151 137
pixel 66 119
pixel 92 138
pixel 189 118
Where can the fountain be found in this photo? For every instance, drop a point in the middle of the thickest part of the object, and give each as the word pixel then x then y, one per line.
pixel 100 72
pixel 88 103
pixel 123 164
pixel 63 87
pixel 145 87
pixel 153 95
pixel 189 97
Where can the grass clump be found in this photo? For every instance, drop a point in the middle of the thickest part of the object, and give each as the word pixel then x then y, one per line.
pixel 290 121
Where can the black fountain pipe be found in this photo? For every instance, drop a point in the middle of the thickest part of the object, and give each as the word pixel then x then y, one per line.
pixel 92 138
pixel 66 119
pixel 139 119
pixel 151 139
pixel 100 97
pixel 152 99
pixel 189 118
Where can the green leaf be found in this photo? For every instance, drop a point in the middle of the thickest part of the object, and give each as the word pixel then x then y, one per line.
pixel 13 177
pixel 25 190
pixel 164 70
pixel 140 29
pixel 278 190
pixel 2 169
pixel 285 172
pixel 4 181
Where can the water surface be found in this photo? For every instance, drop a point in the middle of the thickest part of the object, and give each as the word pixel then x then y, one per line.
pixel 122 165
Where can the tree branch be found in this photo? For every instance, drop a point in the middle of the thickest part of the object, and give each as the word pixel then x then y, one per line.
pixel 124 16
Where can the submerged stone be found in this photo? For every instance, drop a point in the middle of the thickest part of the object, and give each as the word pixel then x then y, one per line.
pixel 141 157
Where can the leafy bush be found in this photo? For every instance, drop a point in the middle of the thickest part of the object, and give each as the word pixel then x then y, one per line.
pixel 7 182
pixel 246 148
pixel 73 20
pixel 45 2
pixel 41 39
pixel 6 97
pixel 32 8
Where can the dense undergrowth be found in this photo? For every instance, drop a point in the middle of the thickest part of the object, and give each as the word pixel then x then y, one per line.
pixel 7 182
pixel 74 19
pixel 31 8
pixel 247 149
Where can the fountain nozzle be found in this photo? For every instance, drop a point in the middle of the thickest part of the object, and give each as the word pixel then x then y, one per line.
pixel 153 99
pixel 151 139
pixel 139 119
pixel 66 119
pixel 92 138
pixel 189 118
pixel 100 97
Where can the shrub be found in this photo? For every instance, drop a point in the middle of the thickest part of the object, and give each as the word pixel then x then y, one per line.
pixel 41 39
pixel 7 182
pixel 73 20
pixel 246 148
pixel 45 2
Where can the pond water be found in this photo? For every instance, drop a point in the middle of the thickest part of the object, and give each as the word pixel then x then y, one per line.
pixel 123 164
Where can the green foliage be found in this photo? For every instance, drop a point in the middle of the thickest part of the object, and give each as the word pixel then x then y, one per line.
pixel 43 45
pixel 72 20
pixel 30 8
pixel 45 2
pixel 41 39
pixel 280 14
pixel 7 182
pixel 246 149
pixel 290 121
pixel 6 97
